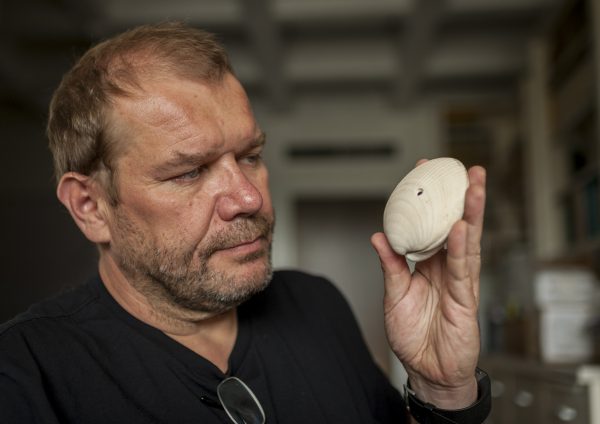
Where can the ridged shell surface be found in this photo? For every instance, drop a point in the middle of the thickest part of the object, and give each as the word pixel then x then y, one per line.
pixel 424 206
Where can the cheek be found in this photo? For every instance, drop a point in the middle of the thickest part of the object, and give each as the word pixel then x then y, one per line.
pixel 194 219
pixel 263 188
pixel 184 221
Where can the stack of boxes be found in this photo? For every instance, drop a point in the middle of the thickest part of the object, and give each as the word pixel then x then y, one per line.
pixel 568 301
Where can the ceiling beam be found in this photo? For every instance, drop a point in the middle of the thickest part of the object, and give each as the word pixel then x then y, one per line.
pixel 415 44
pixel 265 40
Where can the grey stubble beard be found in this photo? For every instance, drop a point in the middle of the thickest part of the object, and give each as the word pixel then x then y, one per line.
pixel 169 276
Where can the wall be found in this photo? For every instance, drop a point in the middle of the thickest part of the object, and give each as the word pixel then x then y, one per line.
pixel 42 250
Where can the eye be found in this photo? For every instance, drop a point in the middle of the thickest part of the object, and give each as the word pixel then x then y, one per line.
pixel 191 175
pixel 252 159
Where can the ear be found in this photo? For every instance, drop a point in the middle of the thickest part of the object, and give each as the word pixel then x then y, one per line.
pixel 86 202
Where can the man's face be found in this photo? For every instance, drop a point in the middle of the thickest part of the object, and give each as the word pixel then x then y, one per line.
pixel 194 220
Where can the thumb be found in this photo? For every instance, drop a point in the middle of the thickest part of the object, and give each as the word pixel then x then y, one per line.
pixel 396 273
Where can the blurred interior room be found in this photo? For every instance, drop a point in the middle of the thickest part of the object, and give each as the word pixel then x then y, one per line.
pixel 351 93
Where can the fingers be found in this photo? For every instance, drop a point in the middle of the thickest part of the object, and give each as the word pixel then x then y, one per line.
pixel 474 214
pixel 463 254
pixel 461 286
pixel 464 243
pixel 475 200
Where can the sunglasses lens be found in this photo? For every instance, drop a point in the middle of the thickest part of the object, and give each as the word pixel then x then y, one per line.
pixel 239 402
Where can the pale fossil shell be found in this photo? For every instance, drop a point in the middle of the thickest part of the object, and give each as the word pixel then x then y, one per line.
pixel 424 206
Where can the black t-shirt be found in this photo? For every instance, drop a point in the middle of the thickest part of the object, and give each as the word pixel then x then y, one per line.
pixel 81 358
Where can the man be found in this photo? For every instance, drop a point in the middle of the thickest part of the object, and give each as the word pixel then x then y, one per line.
pixel 158 160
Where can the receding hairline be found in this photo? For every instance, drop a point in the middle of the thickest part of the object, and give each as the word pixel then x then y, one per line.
pixel 112 68
pixel 117 118
pixel 132 69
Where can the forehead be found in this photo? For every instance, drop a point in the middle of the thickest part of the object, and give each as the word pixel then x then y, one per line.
pixel 169 113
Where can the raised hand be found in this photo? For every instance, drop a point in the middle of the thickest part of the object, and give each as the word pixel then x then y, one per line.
pixel 431 314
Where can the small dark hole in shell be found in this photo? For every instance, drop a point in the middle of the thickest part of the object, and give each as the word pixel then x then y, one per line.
pixel 419 191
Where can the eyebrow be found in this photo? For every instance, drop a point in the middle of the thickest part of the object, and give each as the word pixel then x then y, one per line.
pixel 181 159
pixel 259 141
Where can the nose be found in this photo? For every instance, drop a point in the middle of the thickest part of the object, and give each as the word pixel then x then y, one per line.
pixel 239 196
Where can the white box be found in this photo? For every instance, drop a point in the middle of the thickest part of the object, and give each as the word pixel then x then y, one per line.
pixel 565 285
pixel 564 332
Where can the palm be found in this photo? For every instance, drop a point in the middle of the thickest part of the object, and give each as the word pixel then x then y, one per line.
pixel 426 326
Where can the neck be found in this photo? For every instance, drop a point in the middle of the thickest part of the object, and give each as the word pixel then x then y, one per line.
pixel 208 334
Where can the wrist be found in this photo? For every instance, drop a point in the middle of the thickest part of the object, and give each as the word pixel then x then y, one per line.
pixel 475 413
pixel 445 397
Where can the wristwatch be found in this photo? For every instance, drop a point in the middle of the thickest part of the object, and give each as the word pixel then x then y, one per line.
pixel 427 413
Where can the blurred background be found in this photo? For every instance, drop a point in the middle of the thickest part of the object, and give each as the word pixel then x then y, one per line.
pixel 351 93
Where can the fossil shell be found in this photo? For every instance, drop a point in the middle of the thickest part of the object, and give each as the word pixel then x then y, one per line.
pixel 423 207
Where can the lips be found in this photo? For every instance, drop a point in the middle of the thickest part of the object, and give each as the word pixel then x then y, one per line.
pixel 234 244
pixel 244 243
pixel 245 248
pixel 247 235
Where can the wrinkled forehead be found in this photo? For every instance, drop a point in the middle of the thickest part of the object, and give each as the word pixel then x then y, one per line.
pixel 167 106
pixel 168 93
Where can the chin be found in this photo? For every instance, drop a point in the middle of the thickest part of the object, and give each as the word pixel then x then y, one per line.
pixel 242 270
pixel 235 284
pixel 254 278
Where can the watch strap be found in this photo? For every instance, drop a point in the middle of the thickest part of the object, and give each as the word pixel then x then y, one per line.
pixel 427 413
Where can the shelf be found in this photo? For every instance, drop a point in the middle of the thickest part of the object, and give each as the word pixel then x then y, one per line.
pixel 574 128
pixel 581 212
pixel 574 101
pixel 570 40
